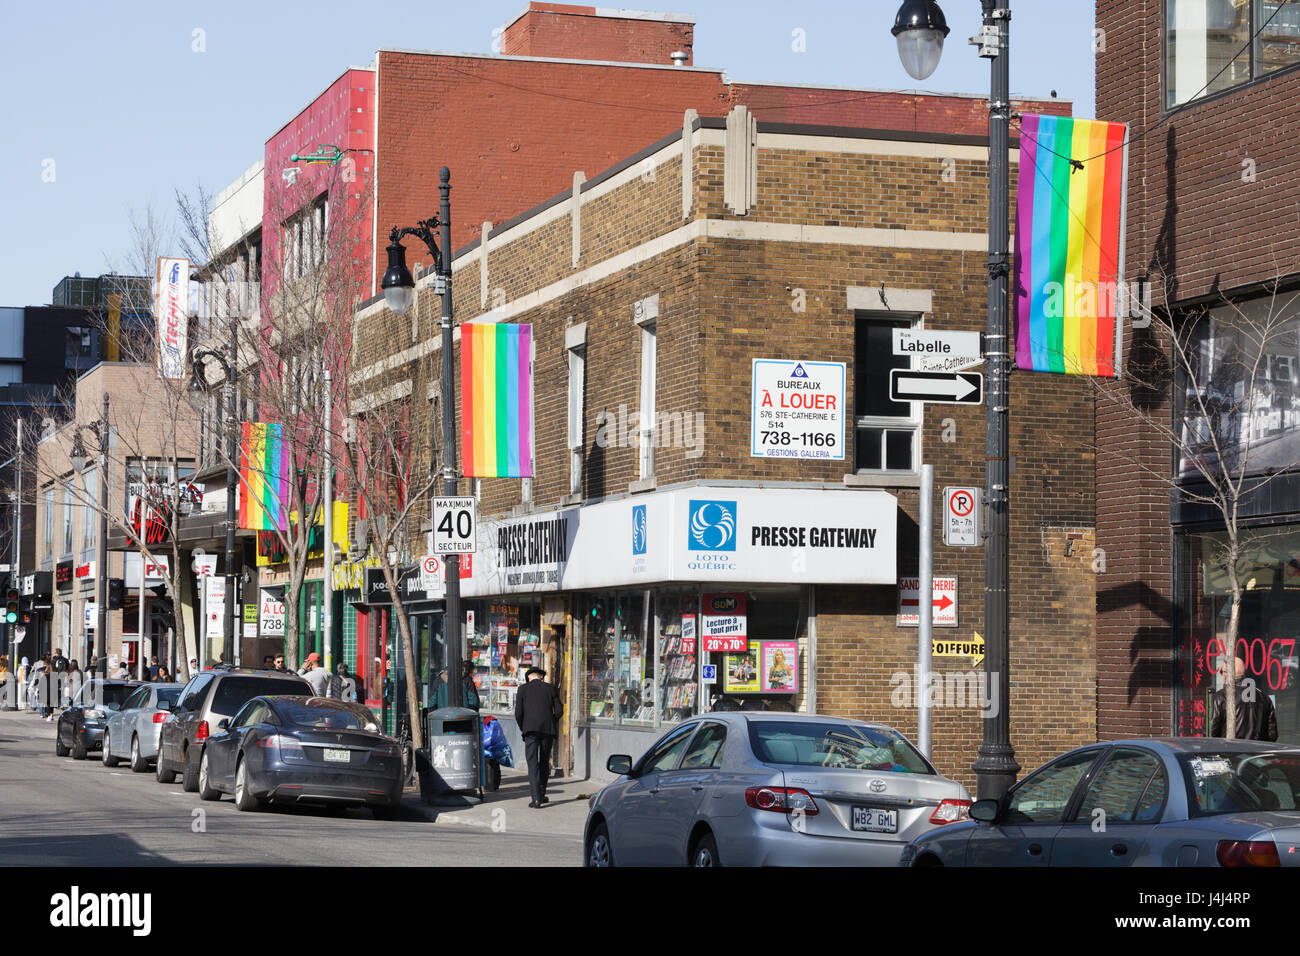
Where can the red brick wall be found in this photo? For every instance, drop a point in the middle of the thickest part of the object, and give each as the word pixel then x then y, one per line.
pixel 579 33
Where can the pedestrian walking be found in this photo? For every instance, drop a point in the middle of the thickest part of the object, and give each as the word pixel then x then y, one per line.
pixel 194 666
pixel 538 710
pixel 24 675
pixel 1256 718
pixel 119 669
pixel 316 675
pixel 38 694
pixel 152 672
pixel 163 676
pixel 72 681
pixel 5 695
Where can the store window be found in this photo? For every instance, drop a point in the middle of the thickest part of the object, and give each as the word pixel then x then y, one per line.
pixel 1209 47
pixel 504 642
pixel 619 660
pixel 1268 633
pixel 886 432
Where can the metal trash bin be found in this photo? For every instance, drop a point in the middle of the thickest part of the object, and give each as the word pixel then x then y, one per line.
pixel 454 755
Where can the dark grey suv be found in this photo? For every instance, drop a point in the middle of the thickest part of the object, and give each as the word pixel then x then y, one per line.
pixel 210 696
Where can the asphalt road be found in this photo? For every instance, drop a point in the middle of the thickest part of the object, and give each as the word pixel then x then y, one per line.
pixel 56 811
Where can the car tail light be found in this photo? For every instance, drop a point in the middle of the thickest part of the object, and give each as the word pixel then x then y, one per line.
pixel 288 746
pixel 160 717
pixel 1248 853
pixel 781 800
pixel 202 732
pixel 950 811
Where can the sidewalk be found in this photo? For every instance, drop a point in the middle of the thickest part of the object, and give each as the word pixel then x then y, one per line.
pixel 507 809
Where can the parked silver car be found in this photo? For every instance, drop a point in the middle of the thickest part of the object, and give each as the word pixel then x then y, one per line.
pixel 756 788
pixel 132 732
pixel 1180 801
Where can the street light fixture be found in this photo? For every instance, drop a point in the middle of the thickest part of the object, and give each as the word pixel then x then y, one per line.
pixel 915 27
pixel 920 29
pixel 399 293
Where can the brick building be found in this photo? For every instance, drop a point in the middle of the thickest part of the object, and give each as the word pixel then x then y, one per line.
pixel 1207 91
pixel 652 289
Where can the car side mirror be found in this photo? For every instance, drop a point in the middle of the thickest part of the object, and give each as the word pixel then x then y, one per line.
pixel 223 724
pixel 985 810
pixel 619 764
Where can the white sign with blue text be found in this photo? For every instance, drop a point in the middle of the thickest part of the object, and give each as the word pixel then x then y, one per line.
pixel 797 410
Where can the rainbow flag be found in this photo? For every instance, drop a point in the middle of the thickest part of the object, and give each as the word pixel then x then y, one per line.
pixel 1069 255
pixel 263 477
pixel 496 399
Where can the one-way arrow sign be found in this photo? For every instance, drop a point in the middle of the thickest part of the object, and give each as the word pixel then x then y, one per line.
pixel 952 388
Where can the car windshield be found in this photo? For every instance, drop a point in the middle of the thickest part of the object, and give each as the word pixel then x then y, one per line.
pixel 850 746
pixel 319 713
pixel 234 692
pixel 1228 782
pixel 112 696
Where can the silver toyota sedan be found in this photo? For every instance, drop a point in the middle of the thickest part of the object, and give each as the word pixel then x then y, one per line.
pixel 1177 801
pixel 769 789
pixel 132 732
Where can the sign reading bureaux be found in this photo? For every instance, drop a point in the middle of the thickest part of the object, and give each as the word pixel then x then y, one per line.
pixel 797 409
pixel 172 308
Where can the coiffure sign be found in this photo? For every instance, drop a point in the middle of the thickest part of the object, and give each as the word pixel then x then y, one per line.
pixel 171 306
pixel 701 534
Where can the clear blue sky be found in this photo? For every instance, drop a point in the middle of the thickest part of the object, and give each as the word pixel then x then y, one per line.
pixel 115 96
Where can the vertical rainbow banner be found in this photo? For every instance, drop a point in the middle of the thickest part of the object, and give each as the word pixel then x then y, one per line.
pixel 496 399
pixel 1069 249
pixel 263 477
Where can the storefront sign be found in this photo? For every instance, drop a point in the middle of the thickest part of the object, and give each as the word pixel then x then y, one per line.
pixel 722 622
pixel 205 565
pixel 63 574
pixel 973 648
pixel 271 615
pixel 171 306
pixel 86 570
pixel 250 614
pixel 91 613
pixel 37 584
pixel 749 535
pixel 408 579
pixel 351 575
pixel 945 602
pixel 797 410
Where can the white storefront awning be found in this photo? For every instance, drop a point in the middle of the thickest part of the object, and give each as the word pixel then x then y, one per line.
pixel 705 534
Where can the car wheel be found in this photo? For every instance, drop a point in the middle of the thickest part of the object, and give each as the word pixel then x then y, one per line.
pixel 189 774
pixel 600 852
pixel 138 763
pixel 705 852
pixel 161 773
pixel 78 747
pixel 244 799
pixel 59 749
pixel 107 754
pixel 206 790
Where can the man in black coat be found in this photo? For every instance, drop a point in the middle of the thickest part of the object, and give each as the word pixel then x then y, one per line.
pixel 538 709
pixel 1256 718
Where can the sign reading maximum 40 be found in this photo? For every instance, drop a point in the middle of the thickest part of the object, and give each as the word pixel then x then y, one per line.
pixel 455 525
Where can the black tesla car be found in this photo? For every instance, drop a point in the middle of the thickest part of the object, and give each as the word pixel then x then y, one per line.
pixel 296 749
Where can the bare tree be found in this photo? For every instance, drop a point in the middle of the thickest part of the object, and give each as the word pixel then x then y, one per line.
pixel 1231 370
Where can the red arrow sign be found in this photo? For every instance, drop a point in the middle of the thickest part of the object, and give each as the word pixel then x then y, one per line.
pixel 942 603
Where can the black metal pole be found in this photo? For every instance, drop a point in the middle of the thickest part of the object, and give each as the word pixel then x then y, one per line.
pixel 232 480
pixel 995 767
pixel 451 619
pixel 101 623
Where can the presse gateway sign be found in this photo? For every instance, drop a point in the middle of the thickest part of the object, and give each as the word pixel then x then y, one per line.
pixel 699 534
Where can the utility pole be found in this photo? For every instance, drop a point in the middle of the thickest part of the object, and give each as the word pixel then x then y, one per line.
pixel 451 618
pixel 995 767
pixel 101 608
pixel 232 489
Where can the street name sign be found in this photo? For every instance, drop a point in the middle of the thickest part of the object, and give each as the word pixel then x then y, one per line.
pixel 948 388
pixel 934 351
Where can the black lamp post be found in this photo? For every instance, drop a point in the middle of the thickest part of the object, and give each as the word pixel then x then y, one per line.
pixel 920 28
pixel 80 460
pixel 229 363
pixel 399 293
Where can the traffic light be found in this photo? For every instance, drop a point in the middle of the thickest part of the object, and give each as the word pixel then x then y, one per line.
pixel 11 606
pixel 116 589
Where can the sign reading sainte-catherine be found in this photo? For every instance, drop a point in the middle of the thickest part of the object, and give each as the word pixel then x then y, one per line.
pixel 797 410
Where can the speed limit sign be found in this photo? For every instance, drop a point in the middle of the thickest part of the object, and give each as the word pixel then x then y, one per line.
pixel 455 522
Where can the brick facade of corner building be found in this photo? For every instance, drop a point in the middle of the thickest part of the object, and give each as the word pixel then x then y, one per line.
pixel 589 33
pixel 1199 229
pixel 836 218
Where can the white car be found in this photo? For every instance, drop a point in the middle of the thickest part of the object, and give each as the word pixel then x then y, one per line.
pixel 132 733
pixel 766 788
